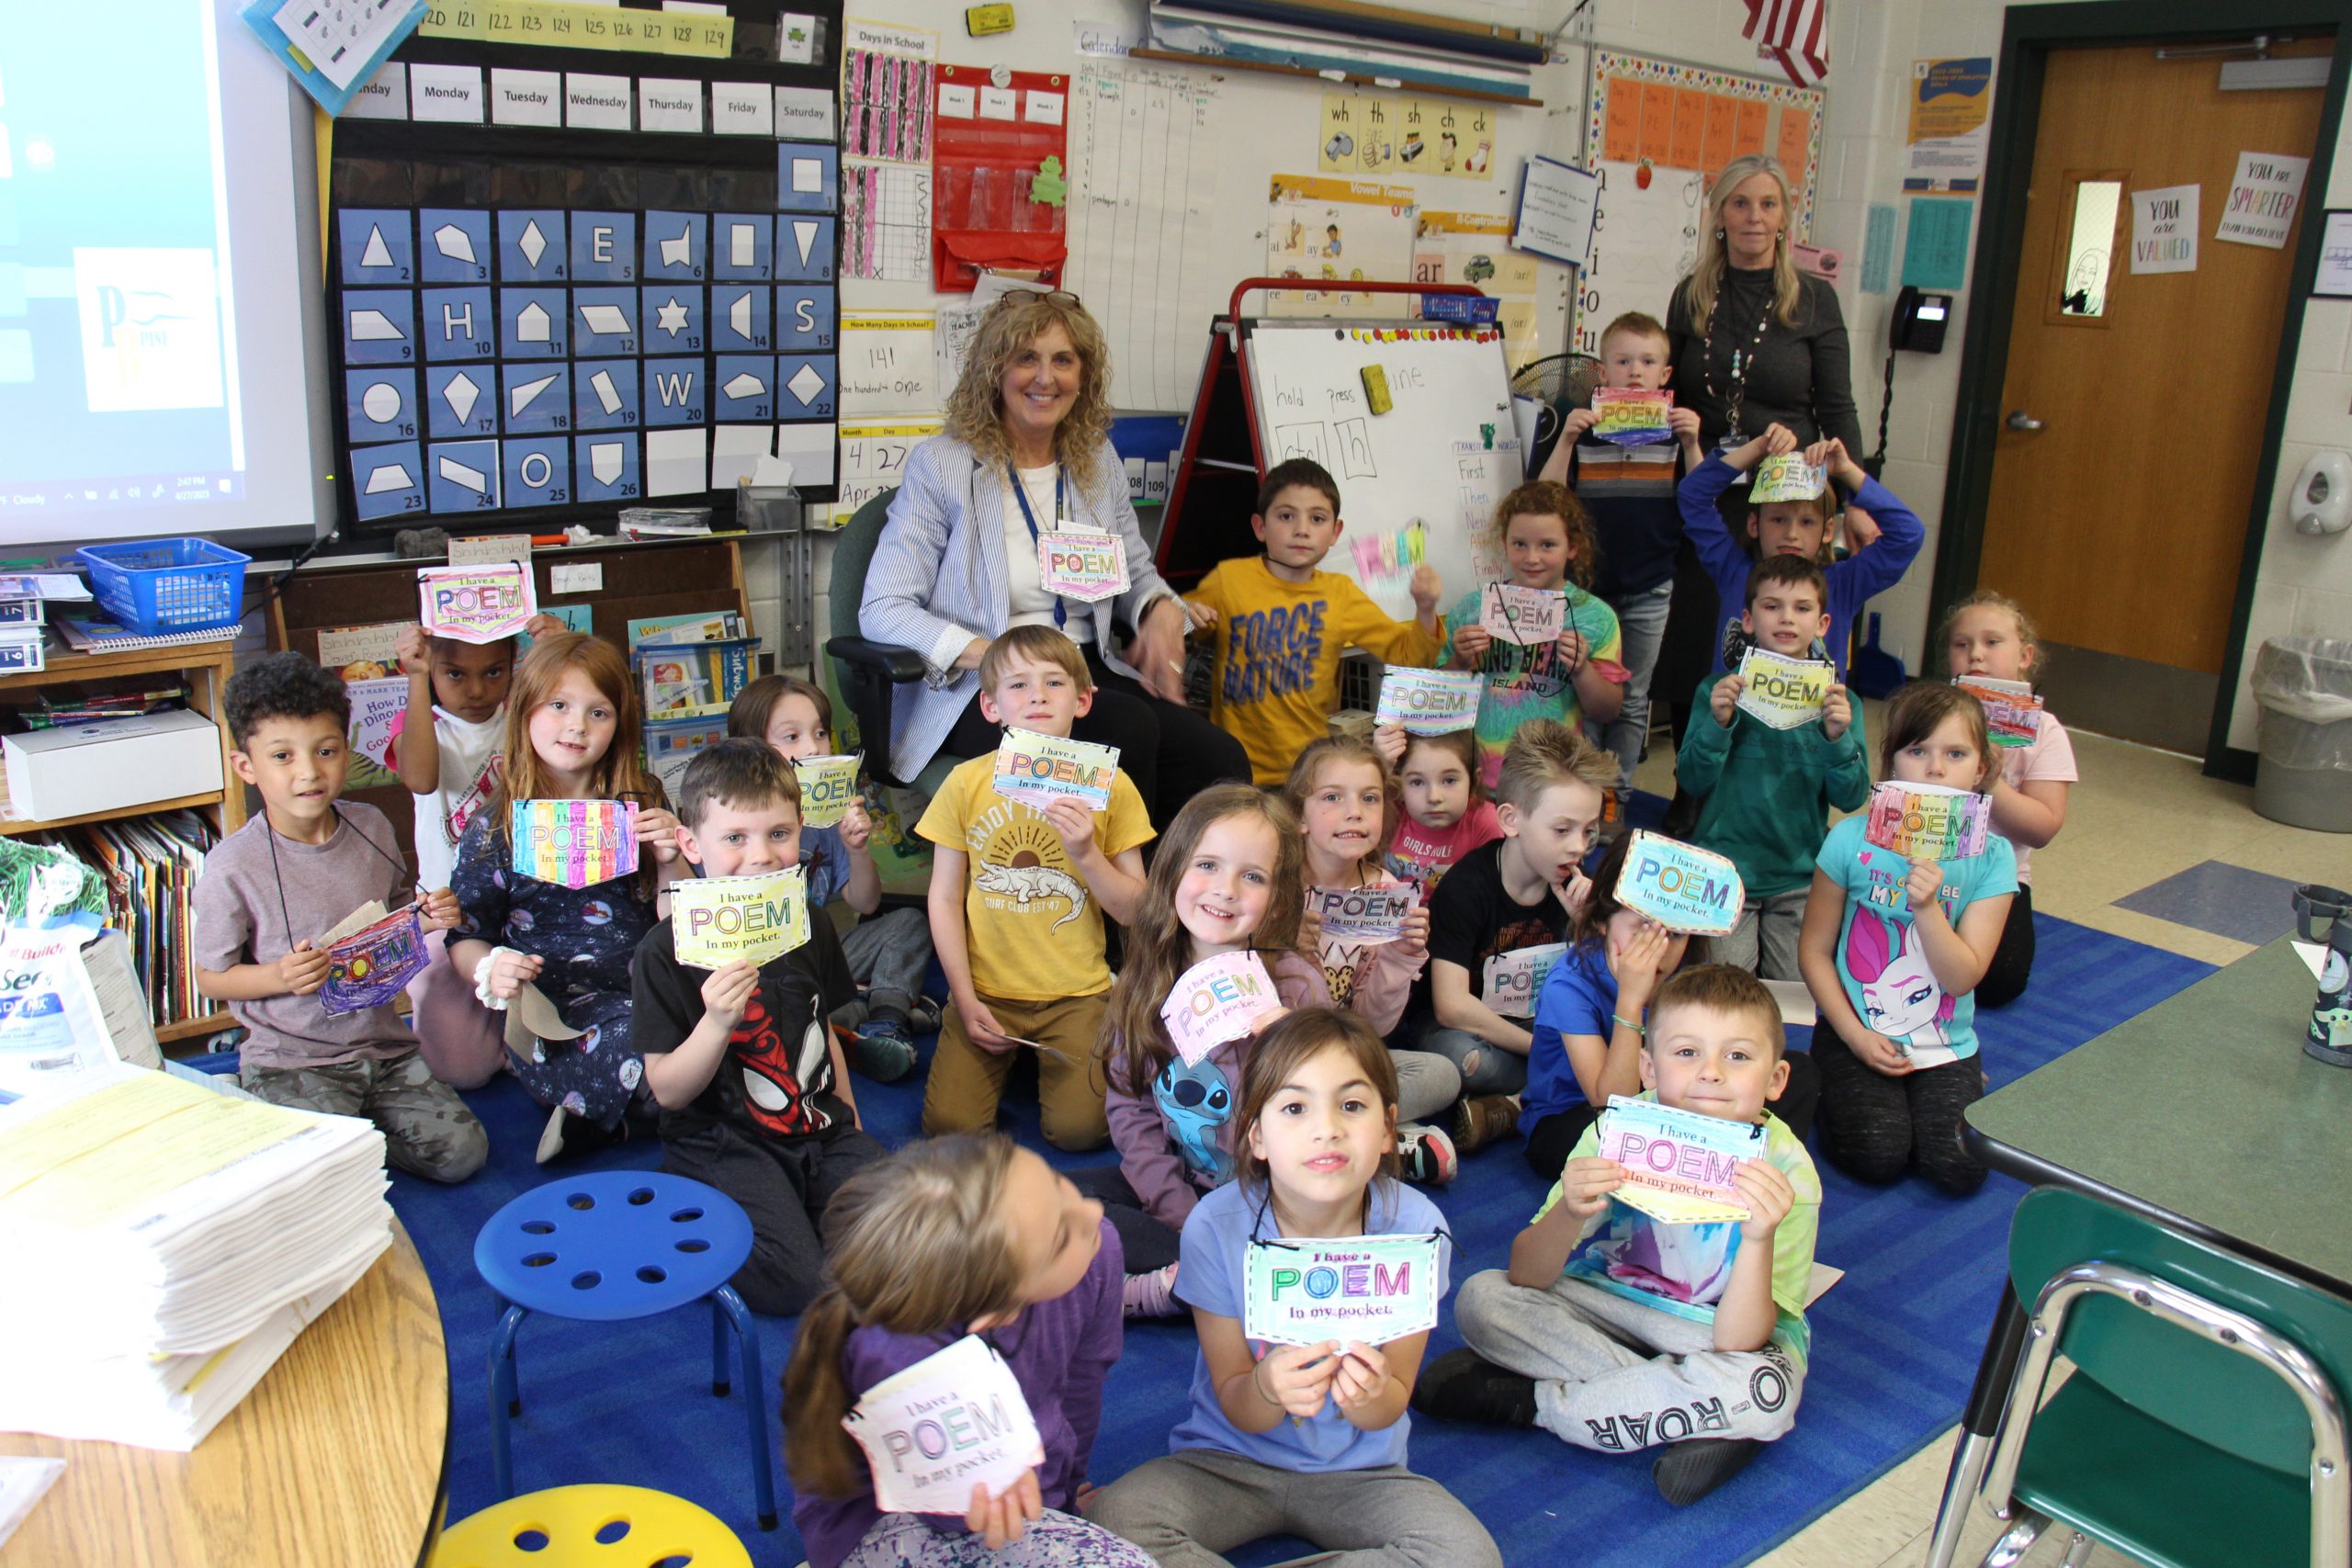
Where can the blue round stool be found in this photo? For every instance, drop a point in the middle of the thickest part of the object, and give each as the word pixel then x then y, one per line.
pixel 611 1246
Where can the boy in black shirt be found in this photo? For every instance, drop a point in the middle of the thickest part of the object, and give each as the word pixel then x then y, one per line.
pixel 755 1099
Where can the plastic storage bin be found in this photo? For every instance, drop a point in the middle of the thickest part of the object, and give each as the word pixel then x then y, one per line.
pixel 2303 772
pixel 168 585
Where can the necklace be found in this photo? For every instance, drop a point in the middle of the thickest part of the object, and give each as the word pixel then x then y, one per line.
pixel 1741 363
pixel 280 877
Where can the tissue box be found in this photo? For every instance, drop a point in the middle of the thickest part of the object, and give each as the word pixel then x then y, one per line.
pixel 79 770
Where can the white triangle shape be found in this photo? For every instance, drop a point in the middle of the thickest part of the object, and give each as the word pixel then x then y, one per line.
pixel 520 398
pixel 378 254
pixel 460 394
pixel 804 234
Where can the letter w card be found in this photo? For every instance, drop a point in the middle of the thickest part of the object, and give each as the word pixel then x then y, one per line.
pixel 1366 1288
pixel 1680 887
pixel 1038 770
pixel 714 921
pixel 932 1431
pixel 1679 1162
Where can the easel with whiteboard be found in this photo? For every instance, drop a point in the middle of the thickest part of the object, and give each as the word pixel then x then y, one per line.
pixel 1441 457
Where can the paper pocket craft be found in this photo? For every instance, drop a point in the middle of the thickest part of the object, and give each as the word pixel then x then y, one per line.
pixel 1928 821
pixel 374 964
pixel 1427 702
pixel 1364 916
pixel 1528 618
pixel 1367 1289
pixel 1787 478
pixel 2011 710
pixel 574 843
pixel 476 604
pixel 1038 770
pixel 1082 563
pixel 1681 887
pixel 1216 1001
pixel 1631 416
pixel 1679 1162
pixel 828 784
pixel 1512 981
pixel 714 921
pixel 1783 693
pixel 953 1420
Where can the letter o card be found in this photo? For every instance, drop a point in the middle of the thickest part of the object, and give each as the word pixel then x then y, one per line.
pixel 1079 563
pixel 1366 1288
pixel 476 604
pixel 1680 887
pixel 1783 693
pixel 932 1431
pixel 714 921
pixel 1216 1001
pixel 1680 1162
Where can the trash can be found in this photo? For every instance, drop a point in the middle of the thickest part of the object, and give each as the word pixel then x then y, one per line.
pixel 2303 776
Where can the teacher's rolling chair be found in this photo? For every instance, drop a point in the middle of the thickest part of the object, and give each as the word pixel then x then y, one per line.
pixel 869 673
pixel 2204 1425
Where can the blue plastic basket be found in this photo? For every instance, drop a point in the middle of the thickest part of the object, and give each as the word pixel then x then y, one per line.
pixel 168 585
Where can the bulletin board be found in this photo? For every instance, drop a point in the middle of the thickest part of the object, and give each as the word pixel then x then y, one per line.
pixel 1656 132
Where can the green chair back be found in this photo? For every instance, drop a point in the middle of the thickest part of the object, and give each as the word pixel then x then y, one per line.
pixel 852 553
pixel 2206 1390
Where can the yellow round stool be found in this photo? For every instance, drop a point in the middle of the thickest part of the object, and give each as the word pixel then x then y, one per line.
pixel 590 1526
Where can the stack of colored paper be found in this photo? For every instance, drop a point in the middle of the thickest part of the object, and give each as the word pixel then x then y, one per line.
pixel 166 1244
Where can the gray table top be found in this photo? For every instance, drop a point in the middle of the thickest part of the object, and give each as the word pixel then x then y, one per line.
pixel 2203 1107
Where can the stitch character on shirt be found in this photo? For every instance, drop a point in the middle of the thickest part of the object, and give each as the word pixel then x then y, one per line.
pixel 1195 1101
pixel 1900 996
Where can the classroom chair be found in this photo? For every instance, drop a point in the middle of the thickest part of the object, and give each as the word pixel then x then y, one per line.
pixel 869 673
pixel 590 1526
pixel 610 1246
pixel 2204 1423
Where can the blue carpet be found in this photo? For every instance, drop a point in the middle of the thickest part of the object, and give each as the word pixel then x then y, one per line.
pixel 2227 900
pixel 1894 1344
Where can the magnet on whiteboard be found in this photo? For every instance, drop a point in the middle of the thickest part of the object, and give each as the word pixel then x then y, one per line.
pixel 999 75
pixel 1332 76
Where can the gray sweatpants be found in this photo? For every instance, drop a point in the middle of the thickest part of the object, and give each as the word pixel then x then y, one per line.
pixel 1190 1507
pixel 427 1129
pixel 888 955
pixel 1615 1375
pixel 1767 928
pixel 1426 1084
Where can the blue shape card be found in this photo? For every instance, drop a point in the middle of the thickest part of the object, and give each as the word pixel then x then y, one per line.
pixel 457 324
pixel 377 246
pixel 534 245
pixel 739 317
pixel 805 317
pixel 806 386
pixel 804 250
pixel 675 391
pixel 674 319
pixel 603 394
pixel 604 321
pixel 604 247
pixel 378 326
pixel 454 246
pixel 460 399
pixel 388 482
pixel 606 466
pixel 379 405
pixel 464 476
pixel 742 389
pixel 533 323
pixel 538 470
pixel 677 246
pixel 807 176
pixel 534 397
pixel 742 245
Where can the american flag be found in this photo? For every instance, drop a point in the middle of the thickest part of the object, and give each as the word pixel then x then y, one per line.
pixel 1793 32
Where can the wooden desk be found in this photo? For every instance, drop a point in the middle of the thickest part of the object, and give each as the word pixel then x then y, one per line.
pixel 334 1460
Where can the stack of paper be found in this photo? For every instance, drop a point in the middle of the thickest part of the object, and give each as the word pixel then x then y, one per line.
pixel 166 1244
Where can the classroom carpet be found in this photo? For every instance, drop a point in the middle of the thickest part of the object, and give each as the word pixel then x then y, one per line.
pixel 1896 1343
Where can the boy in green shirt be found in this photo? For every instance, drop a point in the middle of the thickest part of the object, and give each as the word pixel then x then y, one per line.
pixel 1767 791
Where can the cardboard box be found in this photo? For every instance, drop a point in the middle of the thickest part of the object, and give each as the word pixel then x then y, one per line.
pixel 80 769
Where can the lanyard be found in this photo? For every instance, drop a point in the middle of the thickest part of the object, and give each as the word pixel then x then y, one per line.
pixel 1021 494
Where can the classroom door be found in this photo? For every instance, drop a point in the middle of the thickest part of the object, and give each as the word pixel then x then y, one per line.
pixel 2132 405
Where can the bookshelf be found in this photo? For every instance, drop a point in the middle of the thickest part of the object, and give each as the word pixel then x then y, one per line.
pixel 205 668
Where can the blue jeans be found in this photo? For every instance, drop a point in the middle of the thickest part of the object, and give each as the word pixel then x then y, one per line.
pixel 1487 1068
pixel 1641 623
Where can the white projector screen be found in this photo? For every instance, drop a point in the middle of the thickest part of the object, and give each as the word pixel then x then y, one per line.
pixel 162 364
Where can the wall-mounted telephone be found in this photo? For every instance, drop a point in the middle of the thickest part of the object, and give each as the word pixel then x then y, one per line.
pixel 1919 321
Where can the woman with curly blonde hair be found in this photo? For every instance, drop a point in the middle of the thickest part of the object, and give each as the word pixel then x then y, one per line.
pixel 1026 451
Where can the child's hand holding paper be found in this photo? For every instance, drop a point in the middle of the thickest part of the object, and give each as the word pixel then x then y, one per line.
pixel 1764 1186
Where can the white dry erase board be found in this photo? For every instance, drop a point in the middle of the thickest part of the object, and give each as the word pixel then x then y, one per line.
pixel 1442 455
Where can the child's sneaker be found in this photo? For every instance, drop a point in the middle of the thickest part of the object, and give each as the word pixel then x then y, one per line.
pixel 1425 1154
pixel 882 1050
pixel 922 1017
pixel 1462 1385
pixel 1152 1294
pixel 1689 1470
pixel 1483 1119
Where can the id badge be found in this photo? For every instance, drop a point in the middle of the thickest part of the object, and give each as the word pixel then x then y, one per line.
pixel 1082 563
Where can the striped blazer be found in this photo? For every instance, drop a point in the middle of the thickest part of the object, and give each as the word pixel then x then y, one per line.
pixel 938 579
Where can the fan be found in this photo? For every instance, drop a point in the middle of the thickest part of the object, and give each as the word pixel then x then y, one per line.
pixel 1557 382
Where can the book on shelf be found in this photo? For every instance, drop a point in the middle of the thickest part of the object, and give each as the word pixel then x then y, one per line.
pixel 96 634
